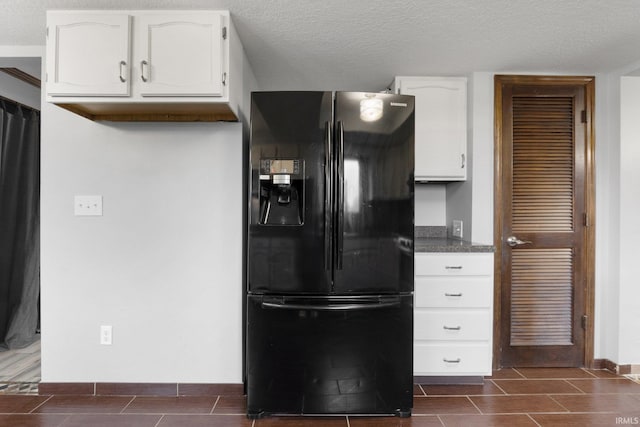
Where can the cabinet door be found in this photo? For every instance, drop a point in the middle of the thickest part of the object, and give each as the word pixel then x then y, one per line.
pixel 180 54
pixel 441 126
pixel 88 54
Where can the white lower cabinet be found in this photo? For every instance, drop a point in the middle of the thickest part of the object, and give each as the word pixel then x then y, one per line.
pixel 453 322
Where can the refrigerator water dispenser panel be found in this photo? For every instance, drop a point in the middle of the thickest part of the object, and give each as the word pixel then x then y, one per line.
pixel 281 192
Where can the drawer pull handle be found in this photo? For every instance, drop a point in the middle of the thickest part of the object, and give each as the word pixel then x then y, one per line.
pixel 452 295
pixel 453 267
pixel 143 64
pixel 452 328
pixel 123 65
pixel 451 361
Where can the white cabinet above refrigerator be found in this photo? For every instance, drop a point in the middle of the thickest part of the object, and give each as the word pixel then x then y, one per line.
pixel 441 126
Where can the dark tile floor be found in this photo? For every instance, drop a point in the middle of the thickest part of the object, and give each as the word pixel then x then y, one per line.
pixel 511 397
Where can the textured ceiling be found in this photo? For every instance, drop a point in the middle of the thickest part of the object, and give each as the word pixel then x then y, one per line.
pixel 362 44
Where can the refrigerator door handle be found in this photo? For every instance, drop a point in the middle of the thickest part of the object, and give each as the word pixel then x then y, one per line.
pixel 340 190
pixel 331 307
pixel 328 199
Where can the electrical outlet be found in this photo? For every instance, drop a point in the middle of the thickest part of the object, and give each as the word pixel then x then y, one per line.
pixel 87 205
pixel 106 335
pixel 457 228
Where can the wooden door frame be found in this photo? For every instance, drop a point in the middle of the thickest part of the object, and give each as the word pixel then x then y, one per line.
pixel 589 298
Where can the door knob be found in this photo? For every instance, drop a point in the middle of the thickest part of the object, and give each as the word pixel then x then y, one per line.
pixel 514 241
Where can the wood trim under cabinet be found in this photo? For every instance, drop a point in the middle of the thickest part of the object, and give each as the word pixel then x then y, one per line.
pixel 152 111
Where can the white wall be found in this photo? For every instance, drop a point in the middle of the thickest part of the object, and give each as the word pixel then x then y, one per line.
pixel 482 111
pixel 19 91
pixel 607 268
pixel 617 203
pixel 430 204
pixel 163 265
pixel 629 291
pixel 460 194
pixel 458 204
pixel 27 58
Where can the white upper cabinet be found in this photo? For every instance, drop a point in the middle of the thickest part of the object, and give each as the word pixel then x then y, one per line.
pixel 88 55
pixel 148 65
pixel 180 55
pixel 441 126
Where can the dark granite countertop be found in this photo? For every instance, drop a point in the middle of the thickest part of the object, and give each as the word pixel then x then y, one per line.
pixel 439 244
pixel 434 239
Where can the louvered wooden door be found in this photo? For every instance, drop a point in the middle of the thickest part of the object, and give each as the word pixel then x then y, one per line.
pixel 543 227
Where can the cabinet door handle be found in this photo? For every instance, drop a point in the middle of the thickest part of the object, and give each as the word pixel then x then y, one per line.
pixel 143 64
pixel 452 295
pixel 463 159
pixel 123 77
pixel 458 360
pixel 451 328
pixel 453 267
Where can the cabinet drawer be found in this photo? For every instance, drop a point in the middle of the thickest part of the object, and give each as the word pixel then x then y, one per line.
pixel 452 325
pixel 453 292
pixel 445 264
pixel 434 359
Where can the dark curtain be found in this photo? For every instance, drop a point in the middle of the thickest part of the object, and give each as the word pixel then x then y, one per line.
pixel 19 225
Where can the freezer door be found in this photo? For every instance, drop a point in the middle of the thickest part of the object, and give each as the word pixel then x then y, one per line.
pixel 329 356
pixel 289 238
pixel 374 193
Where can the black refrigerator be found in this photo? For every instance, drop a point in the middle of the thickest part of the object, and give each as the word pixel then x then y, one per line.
pixel 329 315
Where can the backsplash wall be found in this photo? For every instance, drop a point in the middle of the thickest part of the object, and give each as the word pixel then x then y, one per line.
pixel 431 204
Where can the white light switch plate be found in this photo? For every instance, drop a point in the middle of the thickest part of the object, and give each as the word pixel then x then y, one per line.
pixel 87 205
pixel 106 335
